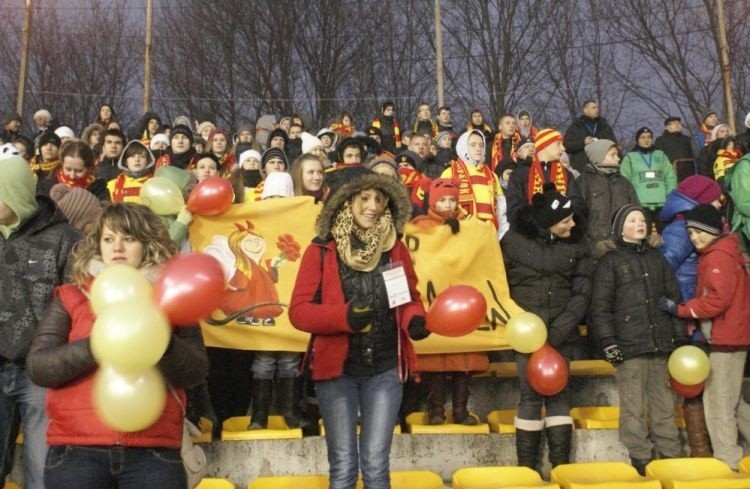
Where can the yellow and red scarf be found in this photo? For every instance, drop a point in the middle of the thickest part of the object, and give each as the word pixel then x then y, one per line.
pixel 84 181
pixel 497 149
pixel 536 179
pixel 466 199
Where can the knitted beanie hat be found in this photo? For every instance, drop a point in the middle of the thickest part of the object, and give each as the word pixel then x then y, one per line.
pixel 701 189
pixel 65 132
pixel 442 187
pixel 181 129
pixel 272 153
pixel 598 150
pixel 309 142
pixel 546 137
pixel 715 130
pixel 618 219
pixel 704 217
pixel 158 138
pixel 49 137
pixel 550 207
pixel 78 205
pixel 250 153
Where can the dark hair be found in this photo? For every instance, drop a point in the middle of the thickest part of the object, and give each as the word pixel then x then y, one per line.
pixel 210 156
pixel 476 111
pixel 725 142
pixel 114 132
pixel 78 149
pixel 135 149
pixel 443 107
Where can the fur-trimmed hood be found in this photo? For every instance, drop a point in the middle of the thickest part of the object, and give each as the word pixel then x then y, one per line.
pixel 398 201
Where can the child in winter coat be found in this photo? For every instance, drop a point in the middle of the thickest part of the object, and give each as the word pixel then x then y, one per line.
pixel 636 336
pixel 722 303
pixel 443 201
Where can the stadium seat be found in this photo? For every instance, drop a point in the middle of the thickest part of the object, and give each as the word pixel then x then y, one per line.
pixel 11 485
pixel 291 482
pixel 599 417
pixel 234 429
pixel 413 479
pixel 499 478
pixel 745 465
pixel 696 473
pixel 206 427
pixel 417 425
pixel 208 483
pixel 601 475
pixel 502 421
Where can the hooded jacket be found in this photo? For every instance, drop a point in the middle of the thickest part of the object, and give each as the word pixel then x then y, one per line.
pixel 548 276
pixel 722 294
pixel 318 305
pixel 676 246
pixel 33 258
pixel 126 187
pixel 630 279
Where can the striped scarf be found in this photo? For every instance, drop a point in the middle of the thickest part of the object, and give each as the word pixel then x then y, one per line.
pixel 536 179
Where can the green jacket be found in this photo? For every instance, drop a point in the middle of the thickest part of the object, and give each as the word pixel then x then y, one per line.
pixel 651 174
pixel 737 181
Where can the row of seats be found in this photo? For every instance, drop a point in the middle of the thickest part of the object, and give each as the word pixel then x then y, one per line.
pixel 500 421
pixel 677 473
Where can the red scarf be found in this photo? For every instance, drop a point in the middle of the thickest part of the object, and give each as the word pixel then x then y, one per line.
pixel 497 149
pixel 84 181
pixel 466 199
pixel 536 179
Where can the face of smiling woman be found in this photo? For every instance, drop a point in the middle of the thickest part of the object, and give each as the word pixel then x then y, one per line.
pixel 367 207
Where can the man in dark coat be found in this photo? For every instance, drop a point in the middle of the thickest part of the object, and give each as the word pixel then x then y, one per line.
pixel 584 131
pixel 678 147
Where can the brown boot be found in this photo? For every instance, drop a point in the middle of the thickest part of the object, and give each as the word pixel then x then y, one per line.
pixel 435 384
pixel 695 426
pixel 460 399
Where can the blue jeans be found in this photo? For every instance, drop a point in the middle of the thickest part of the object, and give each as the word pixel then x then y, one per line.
pixel 18 395
pixel 376 399
pixel 114 467
pixel 265 364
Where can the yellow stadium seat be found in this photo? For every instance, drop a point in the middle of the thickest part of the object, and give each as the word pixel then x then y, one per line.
pixel 591 367
pixel 696 473
pixel 208 483
pixel 499 478
pixel 601 475
pixel 417 425
pixel 234 429
pixel 396 429
pixel 502 421
pixel 11 485
pixel 745 465
pixel 291 482
pixel 413 479
pixel 599 417
pixel 206 426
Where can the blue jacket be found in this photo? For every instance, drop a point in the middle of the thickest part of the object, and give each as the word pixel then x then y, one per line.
pixel 676 246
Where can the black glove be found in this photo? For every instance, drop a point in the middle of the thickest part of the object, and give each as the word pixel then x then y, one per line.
pixel 359 315
pixel 667 305
pixel 613 354
pixel 682 341
pixel 417 329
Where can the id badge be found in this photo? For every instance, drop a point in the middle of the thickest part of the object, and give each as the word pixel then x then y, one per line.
pixel 650 175
pixel 396 285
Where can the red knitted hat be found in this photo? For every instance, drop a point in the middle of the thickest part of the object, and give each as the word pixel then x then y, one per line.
pixel 440 188
pixel 545 137
pixel 701 189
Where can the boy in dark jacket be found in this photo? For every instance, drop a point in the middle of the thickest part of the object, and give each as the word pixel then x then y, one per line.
pixel 637 337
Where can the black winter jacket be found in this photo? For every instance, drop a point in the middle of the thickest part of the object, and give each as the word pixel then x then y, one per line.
pixel 577 133
pixel 548 276
pixel 33 261
pixel 624 310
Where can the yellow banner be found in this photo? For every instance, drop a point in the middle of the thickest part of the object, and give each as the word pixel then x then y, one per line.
pixel 260 244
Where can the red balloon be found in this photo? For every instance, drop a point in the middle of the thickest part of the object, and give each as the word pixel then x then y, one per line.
pixel 211 197
pixel 189 288
pixel 547 371
pixel 686 391
pixel 457 311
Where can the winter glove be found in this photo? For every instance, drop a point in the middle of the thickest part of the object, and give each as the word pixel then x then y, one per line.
pixel 613 354
pixel 667 305
pixel 359 315
pixel 417 329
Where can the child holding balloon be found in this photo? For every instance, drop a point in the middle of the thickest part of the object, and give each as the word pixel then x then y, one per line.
pixel 84 450
pixel 636 336
pixel 444 210
pixel 722 303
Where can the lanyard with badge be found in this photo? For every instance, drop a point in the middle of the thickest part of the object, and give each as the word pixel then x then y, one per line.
pixel 396 285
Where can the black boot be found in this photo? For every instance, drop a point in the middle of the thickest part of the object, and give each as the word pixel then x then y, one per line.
pixel 460 399
pixel 558 442
pixel 288 390
pixel 435 386
pixel 527 447
pixel 639 465
pixel 262 390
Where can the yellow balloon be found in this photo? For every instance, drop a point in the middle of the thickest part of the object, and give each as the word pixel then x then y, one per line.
pixel 162 196
pixel 689 365
pixel 129 401
pixel 118 284
pixel 526 332
pixel 130 336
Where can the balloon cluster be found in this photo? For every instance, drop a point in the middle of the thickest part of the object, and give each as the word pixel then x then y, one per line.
pixel 688 368
pixel 211 197
pixel 456 311
pixel 546 370
pixel 132 331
